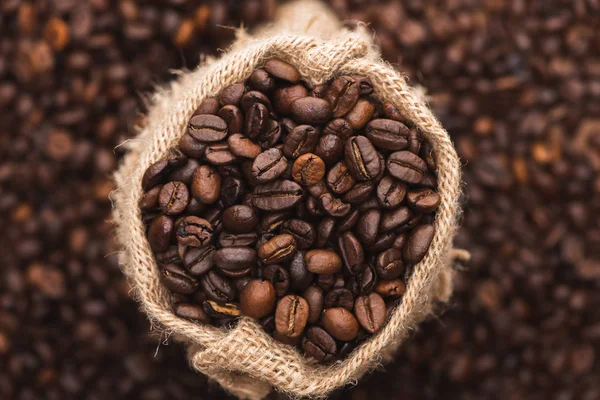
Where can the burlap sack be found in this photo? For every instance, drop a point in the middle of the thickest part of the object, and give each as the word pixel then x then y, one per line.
pixel 246 361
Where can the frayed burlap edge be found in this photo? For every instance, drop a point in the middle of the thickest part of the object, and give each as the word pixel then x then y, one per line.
pixel 246 361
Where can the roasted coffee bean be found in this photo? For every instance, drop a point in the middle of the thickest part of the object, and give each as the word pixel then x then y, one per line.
pixel 273 221
pixel 235 258
pixel 207 128
pixel 389 264
pixel 390 111
pixel 324 232
pixel 198 260
pixel 339 178
pixel 391 288
pixel 310 110
pixel 360 114
pixel 219 154
pixel 318 344
pixel 390 192
pixel 326 281
pixel 340 323
pixel 177 279
pixel 330 149
pixel 365 86
pixel 395 219
pixel 282 70
pixel 285 96
pixel 406 166
pixel 339 297
pixel 232 191
pixel 257 118
pixel 261 80
pixel 206 184
pixel 308 169
pixel 279 249
pixel 352 252
pixel 277 196
pixel 315 299
pixel 287 126
pixel 400 241
pixel 414 141
pixel 428 156
pixel 160 233
pixel 149 200
pixel 195 207
pixel 338 127
pixel 271 135
pixel 171 256
pixel 239 239
pixel 176 158
pixel 269 165
pixel 233 117
pixel 209 105
pixel 388 134
pixel 367 227
pixel 301 140
pixel 185 173
pixel 423 200
pixel 342 94
pixel 239 219
pixel 323 261
pixel 191 311
pixel 300 276
pixel 319 91
pixel 334 206
pixel 155 174
pixel 279 277
pixel 359 193
pixel 225 312
pixel 369 204
pixel 242 146
pixel 348 222
pixel 364 281
pixel 370 311
pixel 361 158
pixel 418 243
pixel 252 97
pixel 194 231
pixel 291 316
pixel 240 283
pixel 257 299
pixel 232 94
pixel 191 146
pixel 301 230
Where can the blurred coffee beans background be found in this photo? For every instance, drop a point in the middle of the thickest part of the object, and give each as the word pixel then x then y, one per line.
pixel 515 82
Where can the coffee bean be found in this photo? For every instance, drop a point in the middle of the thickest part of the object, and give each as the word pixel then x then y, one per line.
pixel 390 192
pixel 198 260
pixel 423 200
pixel 330 148
pixel 272 221
pixel 334 206
pixel 239 239
pixel 185 173
pixel 252 97
pixel 277 196
pixel 285 96
pixel 235 258
pixel 388 134
pixel 326 281
pixel 308 169
pixel 340 297
pixel 291 316
pixel 160 233
pixel 209 105
pixel 155 174
pixel 219 154
pixel 191 311
pixel 406 166
pixel 359 193
pixel 149 199
pixel 339 127
pixel 191 146
pixel 365 86
pixel 256 120
pixel 278 249
pixel 269 165
pixel 300 277
pixel 389 264
pixel 414 141
pixel 340 323
pixel 232 94
pixel 177 280
pixel 367 228
pixel 261 80
pixel 395 219
pixel 339 178
pixel 194 231
pixel 302 232
pixel 391 288
pixel 342 94
pixel 206 184
pixel 323 261
pixel 370 312
pixel 279 277
pixel 352 252
pixel 271 135
pixel 319 90
pixel 348 222
pixel 257 299
pixel 360 114
pixel 282 70
pixel 239 219
pixel 364 281
pixel 225 312
pixel 301 140
pixel 233 117
pixel 400 241
pixel 315 299
pixel 324 232
pixel 207 128
pixel 361 158
pixel 176 158
pixel 310 110
pixel 242 146
pixel 418 243
pixel 318 344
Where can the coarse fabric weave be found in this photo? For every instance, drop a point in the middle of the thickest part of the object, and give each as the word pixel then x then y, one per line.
pixel 245 360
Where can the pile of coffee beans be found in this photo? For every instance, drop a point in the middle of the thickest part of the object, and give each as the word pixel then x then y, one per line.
pixel 303 208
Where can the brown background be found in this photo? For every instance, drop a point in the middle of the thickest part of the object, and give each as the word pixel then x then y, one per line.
pixel 515 82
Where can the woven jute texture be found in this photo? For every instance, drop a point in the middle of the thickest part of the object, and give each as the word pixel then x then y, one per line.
pixel 245 360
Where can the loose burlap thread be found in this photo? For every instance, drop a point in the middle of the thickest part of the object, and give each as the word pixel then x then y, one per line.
pixel 245 360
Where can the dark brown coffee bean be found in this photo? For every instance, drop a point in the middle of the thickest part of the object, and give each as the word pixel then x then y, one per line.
pixel 239 219
pixel 235 240
pixel 269 165
pixel 177 279
pixel 224 313
pixel 257 299
pixel 232 94
pixel 242 146
pixel 414 141
pixel 272 221
pixel 277 196
pixel 171 256
pixel 361 114
pixel 323 261
pixel 364 281
pixel 279 277
pixel 406 166
pixel 233 117
pixel 428 155
pixel 232 191
pixel 279 249
pixel 319 90
pixel 240 283
pixel 334 206
pixel 287 125
pixel 176 158
pixel 310 110
pixel 231 259
pixel 348 222
pixel 185 173
pixel 340 323
pixel 160 233
pixel 191 311
pixel 352 252
pixel 359 193
pixel 389 264
pixel 155 174
pixel 285 96
pixel 209 105
pixel 326 281
pixel 395 219
pixel 207 128
pixel 194 231
pixel 340 297
pixel 390 111
pixel 191 146
pixel 291 316
pixel 282 70
pixel 217 287
pixel 423 200
pixel 361 158
pixel 257 118
pixel 400 241
pixel 418 243
pixel 370 312
pixel 369 204
pixel 324 232
pixel 390 192
pixel 342 94
pixel 365 86
pixel 261 80
pixel 318 189
pixel 339 178
pixel 315 299
pixel 302 139
pixel 383 242
pixel 149 200
pixel 271 135
pixel 252 97
pixel 391 288
pixel 300 277
pixel 318 344
pixel 388 134
pixel 206 184
pixel 301 230
pixel 339 127
pixel 219 154
pixel 198 260
pixel 330 149
pixel 308 169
